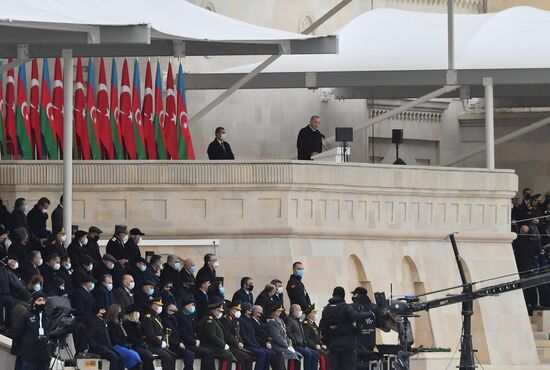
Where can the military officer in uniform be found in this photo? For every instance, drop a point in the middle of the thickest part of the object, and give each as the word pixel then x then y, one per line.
pixel 115 246
pixel 212 336
pixel 312 335
pixel 232 328
pixel 155 335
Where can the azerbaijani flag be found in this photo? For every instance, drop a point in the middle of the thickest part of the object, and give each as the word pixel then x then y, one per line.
pixel 35 108
pixel 11 132
pixel 82 142
pixel 147 114
pixel 136 113
pixel 159 115
pixel 114 114
pixel 103 122
pixel 91 112
pixel 47 114
pixel 2 131
pixel 185 144
pixel 125 115
pixel 22 121
pixel 170 122
pixel 57 101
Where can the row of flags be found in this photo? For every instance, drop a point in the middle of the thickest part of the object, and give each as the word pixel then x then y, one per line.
pixel 107 123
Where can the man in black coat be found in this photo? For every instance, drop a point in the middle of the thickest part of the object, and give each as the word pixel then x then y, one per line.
pixel 155 335
pixel 124 295
pixel 38 216
pixel 115 246
pixel 526 250
pixel 103 292
pixel 49 271
pixel 57 217
pixel 99 341
pixel 83 302
pixel 171 272
pixel 109 265
pixel 219 148
pixel 202 297
pixel 245 293
pixel 175 338
pixel 208 271
pixel 132 245
pixel 18 217
pixel 92 248
pixel 19 249
pixel 263 355
pixel 145 296
pixel 310 139
pixel 187 274
pixel 75 250
pixel 188 333
pixel 296 289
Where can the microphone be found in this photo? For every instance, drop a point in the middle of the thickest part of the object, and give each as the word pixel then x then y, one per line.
pixel 326 144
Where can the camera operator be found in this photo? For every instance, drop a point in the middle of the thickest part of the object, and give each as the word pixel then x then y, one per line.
pixel 30 335
pixel 338 331
pixel 366 328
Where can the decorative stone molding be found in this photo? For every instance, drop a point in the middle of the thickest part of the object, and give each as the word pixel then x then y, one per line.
pixel 473 5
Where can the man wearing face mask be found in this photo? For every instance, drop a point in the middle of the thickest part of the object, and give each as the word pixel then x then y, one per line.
pixel 65 272
pixel 208 272
pixel 296 289
pixel 219 148
pixel 211 333
pixel 245 293
pixel 56 245
pixel 175 339
pixel 57 217
pixel 295 332
pixel 115 246
pixel 279 292
pixel 31 268
pixel 144 296
pixel 139 271
pixel 155 335
pixel 155 264
pixel 30 335
pixel 312 335
pixel 18 217
pixel 19 248
pixel 83 271
pixel 231 329
pixel 12 290
pixel 103 292
pixel 99 340
pixel 188 334
pixel 92 248
pixel 83 302
pixel 124 295
pixel 109 265
pixel 50 271
pixel 38 216
pixel 132 245
pixel 263 355
pixel 75 250
pixel 171 272
pixel 187 274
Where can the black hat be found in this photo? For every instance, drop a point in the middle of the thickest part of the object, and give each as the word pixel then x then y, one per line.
pixel 108 257
pixel 187 299
pixel 310 309
pixel 246 306
pixel 235 305
pixel 95 229
pixel 85 278
pixel 148 282
pixel 80 233
pixel 360 291
pixel 274 307
pixel 141 260
pixel 217 303
pixel 136 231
pixel 339 292
pixel 131 309
pixel 119 229
pixel 20 233
pixel 201 280
pixel 37 295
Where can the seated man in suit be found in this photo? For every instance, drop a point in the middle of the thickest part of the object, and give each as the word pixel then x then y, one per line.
pixel 245 293
pixel 219 148
pixel 124 295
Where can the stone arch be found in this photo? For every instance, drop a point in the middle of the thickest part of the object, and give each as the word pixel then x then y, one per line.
pixel 422 327
pixel 478 332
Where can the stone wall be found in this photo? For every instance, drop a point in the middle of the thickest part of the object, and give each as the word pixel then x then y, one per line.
pixel 351 224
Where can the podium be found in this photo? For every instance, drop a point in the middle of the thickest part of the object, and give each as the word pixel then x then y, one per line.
pixel 331 155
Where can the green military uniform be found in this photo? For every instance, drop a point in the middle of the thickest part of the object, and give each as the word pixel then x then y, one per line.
pixel 212 336
pixel 154 336
pixel 312 336
pixel 231 329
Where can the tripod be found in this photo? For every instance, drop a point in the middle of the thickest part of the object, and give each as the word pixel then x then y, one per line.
pixel 62 349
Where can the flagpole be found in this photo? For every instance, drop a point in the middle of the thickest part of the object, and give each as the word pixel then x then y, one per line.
pixel 67 55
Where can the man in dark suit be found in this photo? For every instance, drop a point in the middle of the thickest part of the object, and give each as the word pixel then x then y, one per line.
pixel 115 246
pixel 202 298
pixel 296 289
pixel 132 245
pixel 103 292
pixel 310 139
pixel 263 355
pixel 124 295
pixel 99 341
pixel 92 248
pixel 57 217
pixel 75 250
pixel 245 293
pixel 187 274
pixel 18 217
pixel 219 148
pixel 83 302
pixel 38 216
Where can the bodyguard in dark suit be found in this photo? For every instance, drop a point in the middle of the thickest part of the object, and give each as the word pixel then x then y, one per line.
pixel 57 217
pixel 219 148
pixel 245 293
pixel 295 287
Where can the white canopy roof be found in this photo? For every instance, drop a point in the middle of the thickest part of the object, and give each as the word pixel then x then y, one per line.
pixel 56 22
pixel 388 47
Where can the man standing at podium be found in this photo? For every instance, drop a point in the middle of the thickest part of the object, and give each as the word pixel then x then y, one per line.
pixel 310 139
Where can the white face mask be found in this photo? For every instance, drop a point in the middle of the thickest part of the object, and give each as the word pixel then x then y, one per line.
pixel 216 264
pixel 15 266
pixel 90 267
pixel 85 241
pixel 219 315
pixel 132 285
pixel 57 266
pixel 64 238
pixel 7 243
pixel 40 262
pixel 224 136
pixel 44 210
pixel 280 290
pixel 25 209
pixel 237 314
pixel 159 310
pixel 299 314
pixel 125 239
pixel 68 266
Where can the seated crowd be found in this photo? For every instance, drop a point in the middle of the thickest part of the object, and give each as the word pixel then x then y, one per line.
pixel 134 310
pixel 531 222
